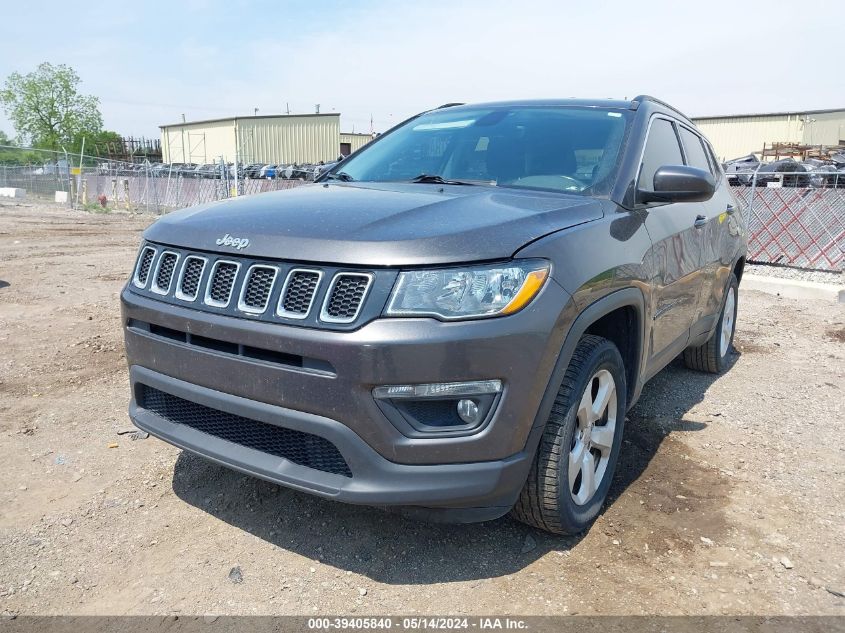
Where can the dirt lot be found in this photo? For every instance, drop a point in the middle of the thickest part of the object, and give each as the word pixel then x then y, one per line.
pixel 730 496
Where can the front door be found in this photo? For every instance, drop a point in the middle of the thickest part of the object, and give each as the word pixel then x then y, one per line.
pixel 676 232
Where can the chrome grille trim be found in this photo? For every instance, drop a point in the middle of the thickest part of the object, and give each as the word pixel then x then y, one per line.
pixel 136 279
pixel 178 293
pixel 154 284
pixel 210 283
pixel 326 317
pixel 280 308
pixel 244 307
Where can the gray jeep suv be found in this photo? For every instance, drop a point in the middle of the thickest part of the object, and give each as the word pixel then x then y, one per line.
pixel 454 320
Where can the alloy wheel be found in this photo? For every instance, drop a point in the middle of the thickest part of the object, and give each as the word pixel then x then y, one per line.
pixel 592 439
pixel 727 322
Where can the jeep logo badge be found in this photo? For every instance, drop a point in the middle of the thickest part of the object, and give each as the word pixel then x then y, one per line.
pixel 235 242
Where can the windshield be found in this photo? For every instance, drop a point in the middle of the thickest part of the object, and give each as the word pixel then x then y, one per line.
pixel 571 149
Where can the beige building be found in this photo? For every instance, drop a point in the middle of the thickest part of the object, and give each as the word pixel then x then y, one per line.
pixel 352 142
pixel 295 138
pixel 733 136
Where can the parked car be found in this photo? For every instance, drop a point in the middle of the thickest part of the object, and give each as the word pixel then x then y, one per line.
pixel 187 169
pixel 740 171
pixel 456 322
pixel 168 170
pixel 253 170
pixel 268 171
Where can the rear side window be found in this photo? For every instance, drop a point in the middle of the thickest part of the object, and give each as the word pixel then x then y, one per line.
pixel 717 168
pixel 696 157
pixel 661 149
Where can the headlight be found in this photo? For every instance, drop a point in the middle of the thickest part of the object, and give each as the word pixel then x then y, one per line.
pixel 471 292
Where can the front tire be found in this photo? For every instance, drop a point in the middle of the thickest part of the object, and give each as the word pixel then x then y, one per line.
pixel 573 468
pixel 712 357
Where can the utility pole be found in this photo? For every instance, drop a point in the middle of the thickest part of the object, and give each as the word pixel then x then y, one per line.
pixel 287 108
pixel 317 108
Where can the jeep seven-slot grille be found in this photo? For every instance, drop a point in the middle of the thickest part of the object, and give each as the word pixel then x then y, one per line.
pixel 347 293
pixel 222 282
pixel 192 273
pixel 145 262
pixel 259 284
pixel 315 296
pixel 298 447
pixel 299 293
pixel 164 274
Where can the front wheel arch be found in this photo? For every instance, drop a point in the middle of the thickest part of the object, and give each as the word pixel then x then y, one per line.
pixel 624 298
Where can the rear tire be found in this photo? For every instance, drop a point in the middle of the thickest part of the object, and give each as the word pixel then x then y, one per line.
pixel 712 357
pixel 574 464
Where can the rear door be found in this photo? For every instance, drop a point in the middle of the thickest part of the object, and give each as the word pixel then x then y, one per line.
pixel 676 233
pixel 722 239
pixel 717 254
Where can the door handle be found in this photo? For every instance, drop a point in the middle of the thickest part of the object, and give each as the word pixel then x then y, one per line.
pixel 700 221
pixel 730 209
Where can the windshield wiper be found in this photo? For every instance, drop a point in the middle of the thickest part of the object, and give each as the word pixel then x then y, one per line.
pixel 439 180
pixel 340 175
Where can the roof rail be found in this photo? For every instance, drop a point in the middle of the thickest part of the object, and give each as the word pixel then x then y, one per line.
pixel 640 98
pixel 448 105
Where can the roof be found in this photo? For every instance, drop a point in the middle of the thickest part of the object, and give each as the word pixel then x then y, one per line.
pixel 759 114
pixel 572 101
pixel 618 104
pixel 241 118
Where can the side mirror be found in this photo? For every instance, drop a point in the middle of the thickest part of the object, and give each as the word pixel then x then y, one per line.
pixel 679 183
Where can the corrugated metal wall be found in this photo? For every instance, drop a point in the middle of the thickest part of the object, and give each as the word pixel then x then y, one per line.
pixel 737 136
pixel 733 137
pixel 356 141
pixel 295 139
pixel 198 142
pixel 826 128
pixel 282 139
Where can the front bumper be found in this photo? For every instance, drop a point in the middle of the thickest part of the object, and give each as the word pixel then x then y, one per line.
pixel 492 486
pixel 485 469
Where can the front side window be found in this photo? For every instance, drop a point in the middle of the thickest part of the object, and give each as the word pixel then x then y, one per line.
pixel 661 149
pixel 570 149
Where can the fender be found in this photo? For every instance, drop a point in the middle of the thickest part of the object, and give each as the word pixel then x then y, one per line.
pixel 626 297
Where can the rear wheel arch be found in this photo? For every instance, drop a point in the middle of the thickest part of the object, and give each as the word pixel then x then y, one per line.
pixel 738 268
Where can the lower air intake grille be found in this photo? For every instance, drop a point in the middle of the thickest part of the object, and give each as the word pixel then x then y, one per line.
pixel 301 448
pixel 347 293
pixel 222 281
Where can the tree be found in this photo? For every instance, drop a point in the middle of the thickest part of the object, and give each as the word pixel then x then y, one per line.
pixel 46 108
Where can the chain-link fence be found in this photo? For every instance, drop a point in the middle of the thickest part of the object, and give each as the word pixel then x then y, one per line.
pixel 38 173
pixel 103 185
pixel 146 188
pixel 794 218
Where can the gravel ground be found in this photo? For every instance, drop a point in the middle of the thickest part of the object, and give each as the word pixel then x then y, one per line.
pixel 784 272
pixel 729 497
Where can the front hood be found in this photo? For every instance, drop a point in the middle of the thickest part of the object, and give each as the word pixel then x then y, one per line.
pixel 377 224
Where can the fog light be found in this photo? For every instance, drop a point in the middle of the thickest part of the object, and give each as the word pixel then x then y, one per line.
pixel 445 408
pixel 468 411
pixel 439 389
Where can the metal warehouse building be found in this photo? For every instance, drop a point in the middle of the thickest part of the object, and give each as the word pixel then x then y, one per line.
pixel 733 136
pixel 293 138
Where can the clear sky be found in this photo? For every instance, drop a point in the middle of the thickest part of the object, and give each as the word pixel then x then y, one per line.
pixel 151 61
